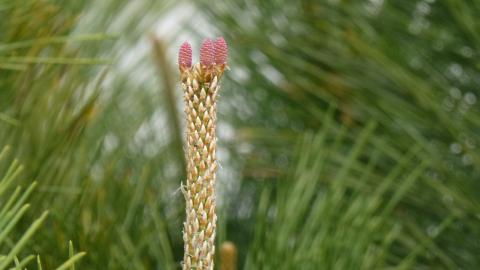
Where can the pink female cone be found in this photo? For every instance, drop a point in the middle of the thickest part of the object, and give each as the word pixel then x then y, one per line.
pixel 207 53
pixel 221 51
pixel 185 55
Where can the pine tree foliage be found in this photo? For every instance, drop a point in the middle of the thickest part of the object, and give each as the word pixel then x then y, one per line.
pixel 348 133
pixel 325 214
pixel 89 148
pixel 411 67
pixel 14 207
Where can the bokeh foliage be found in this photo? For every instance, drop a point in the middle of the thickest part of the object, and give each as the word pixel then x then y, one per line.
pixel 14 208
pixel 348 130
pixel 411 67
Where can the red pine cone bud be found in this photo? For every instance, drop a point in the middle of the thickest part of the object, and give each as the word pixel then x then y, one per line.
pixel 207 53
pixel 221 51
pixel 185 55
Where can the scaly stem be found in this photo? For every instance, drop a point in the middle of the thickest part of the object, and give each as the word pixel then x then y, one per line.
pixel 200 86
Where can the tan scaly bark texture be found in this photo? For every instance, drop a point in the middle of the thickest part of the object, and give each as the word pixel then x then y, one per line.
pixel 200 86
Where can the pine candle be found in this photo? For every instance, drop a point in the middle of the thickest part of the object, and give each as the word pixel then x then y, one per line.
pixel 200 84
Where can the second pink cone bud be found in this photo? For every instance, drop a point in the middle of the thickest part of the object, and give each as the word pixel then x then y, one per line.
pixel 207 53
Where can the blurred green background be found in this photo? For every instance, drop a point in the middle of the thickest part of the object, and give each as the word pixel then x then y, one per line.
pixel 348 131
